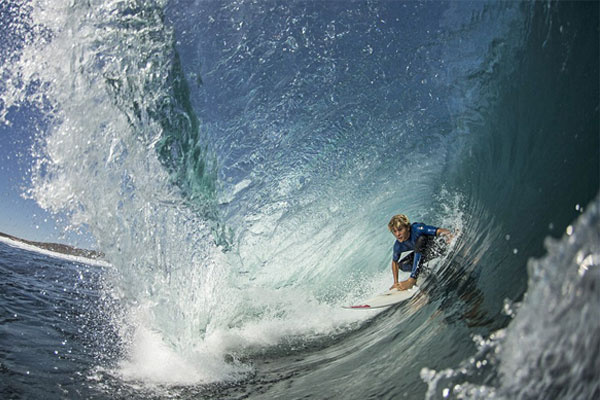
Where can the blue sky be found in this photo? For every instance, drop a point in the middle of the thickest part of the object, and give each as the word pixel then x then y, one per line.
pixel 19 216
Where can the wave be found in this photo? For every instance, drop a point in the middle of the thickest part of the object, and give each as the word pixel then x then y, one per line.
pixel 550 349
pixel 238 163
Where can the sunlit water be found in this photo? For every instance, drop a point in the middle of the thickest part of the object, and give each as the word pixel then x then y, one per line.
pixel 238 162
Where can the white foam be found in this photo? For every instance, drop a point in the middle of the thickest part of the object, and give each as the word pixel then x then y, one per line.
pixel 152 361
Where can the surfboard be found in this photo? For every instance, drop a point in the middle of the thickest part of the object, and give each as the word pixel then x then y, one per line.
pixel 385 299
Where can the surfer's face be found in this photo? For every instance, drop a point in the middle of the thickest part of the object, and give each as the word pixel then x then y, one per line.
pixel 401 233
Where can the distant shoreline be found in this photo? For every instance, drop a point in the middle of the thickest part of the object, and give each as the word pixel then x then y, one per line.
pixel 58 248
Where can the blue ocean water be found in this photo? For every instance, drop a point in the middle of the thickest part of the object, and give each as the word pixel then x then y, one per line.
pixel 238 161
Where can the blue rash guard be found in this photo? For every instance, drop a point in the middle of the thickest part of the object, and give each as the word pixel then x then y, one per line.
pixel 416 230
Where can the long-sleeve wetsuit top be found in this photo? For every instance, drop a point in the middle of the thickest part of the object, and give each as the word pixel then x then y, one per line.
pixel 417 229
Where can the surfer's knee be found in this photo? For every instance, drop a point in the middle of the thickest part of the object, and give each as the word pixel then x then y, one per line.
pixel 406 267
pixel 421 244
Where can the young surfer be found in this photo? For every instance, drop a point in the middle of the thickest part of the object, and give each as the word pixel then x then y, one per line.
pixel 417 237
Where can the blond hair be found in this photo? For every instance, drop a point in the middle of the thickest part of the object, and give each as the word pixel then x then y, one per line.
pixel 398 221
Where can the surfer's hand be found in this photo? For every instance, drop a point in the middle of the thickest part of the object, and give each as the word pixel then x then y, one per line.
pixel 448 236
pixel 407 284
pixel 395 286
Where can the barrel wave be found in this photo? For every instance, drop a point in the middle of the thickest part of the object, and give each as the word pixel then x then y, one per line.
pixel 237 162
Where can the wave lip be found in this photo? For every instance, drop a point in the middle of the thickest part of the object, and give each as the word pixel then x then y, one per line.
pixel 552 349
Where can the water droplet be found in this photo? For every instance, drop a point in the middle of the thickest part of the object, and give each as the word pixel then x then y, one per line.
pixel 586 263
pixel 292 43
pixel 569 230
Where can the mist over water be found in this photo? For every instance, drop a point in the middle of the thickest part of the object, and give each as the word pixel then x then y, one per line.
pixel 238 162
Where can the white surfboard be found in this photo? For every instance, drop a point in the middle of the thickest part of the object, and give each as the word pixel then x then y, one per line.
pixel 385 299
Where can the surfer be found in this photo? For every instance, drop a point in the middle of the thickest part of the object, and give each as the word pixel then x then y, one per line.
pixel 417 237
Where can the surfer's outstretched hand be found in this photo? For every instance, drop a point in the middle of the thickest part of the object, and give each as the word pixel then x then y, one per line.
pixel 446 234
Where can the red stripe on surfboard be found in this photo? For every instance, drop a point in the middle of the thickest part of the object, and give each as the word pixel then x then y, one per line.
pixel 365 306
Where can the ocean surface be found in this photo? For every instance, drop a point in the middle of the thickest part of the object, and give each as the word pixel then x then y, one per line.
pixel 238 161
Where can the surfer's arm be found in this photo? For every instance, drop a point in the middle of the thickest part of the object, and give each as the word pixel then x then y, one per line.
pixel 395 262
pixel 430 230
pixel 395 267
pixel 410 282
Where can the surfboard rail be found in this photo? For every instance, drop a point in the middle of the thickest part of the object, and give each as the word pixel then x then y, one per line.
pixel 385 299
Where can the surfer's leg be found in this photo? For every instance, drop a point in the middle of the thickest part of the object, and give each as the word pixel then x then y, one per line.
pixel 406 263
pixel 423 245
pixel 421 253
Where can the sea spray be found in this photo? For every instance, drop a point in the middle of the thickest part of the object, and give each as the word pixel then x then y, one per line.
pixel 103 76
pixel 327 118
pixel 551 347
pixel 122 155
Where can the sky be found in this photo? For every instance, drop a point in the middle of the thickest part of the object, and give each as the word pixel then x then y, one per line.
pixel 20 216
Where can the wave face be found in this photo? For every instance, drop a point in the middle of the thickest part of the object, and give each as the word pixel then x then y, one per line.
pixel 238 162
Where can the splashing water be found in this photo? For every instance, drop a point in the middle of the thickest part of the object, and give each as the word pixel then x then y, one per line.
pixel 238 162
pixel 543 352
